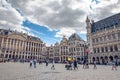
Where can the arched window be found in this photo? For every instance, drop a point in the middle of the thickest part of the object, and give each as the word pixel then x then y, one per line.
pixel 111 48
pixel 98 50
pixel 94 50
pixel 106 49
pixel 102 49
pixel 115 48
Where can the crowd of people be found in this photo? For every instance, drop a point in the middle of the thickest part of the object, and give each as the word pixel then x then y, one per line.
pixel 72 64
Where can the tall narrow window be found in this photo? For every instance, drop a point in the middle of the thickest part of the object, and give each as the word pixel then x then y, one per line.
pixel 94 50
pixel 106 49
pixel 113 36
pixel 111 48
pixel 102 49
pixel 115 48
pixel 98 50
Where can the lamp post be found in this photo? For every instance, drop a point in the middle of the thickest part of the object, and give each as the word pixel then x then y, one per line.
pixel 86 53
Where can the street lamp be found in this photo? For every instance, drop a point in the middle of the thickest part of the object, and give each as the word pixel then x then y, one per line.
pixel 86 53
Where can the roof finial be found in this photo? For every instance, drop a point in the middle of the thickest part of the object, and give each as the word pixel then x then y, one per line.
pixel 87 19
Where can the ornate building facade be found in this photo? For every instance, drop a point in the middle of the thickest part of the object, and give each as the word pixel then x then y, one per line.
pixel 104 39
pixel 73 47
pixel 56 52
pixel 64 49
pixel 77 47
pixel 17 46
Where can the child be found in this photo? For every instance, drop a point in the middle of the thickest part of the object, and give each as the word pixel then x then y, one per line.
pixel 53 67
pixel 30 63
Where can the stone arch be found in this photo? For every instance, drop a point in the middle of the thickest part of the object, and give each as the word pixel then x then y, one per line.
pixel 25 57
pixel 93 59
pixel 115 57
pixel 6 56
pixel 111 58
pixel 97 59
pixel 9 55
pixel 106 59
pixel 102 59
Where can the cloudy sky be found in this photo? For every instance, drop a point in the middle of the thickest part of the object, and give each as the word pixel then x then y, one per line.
pixel 51 19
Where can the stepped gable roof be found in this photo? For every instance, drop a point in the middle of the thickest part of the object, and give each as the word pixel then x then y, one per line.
pixel 75 37
pixel 106 23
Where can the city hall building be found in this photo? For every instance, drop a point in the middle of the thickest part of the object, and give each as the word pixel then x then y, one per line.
pixel 104 39
pixel 19 46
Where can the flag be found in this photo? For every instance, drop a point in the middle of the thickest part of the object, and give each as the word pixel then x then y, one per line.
pixel 87 51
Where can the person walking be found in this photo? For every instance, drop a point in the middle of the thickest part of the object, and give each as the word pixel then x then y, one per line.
pixel 75 64
pixel 35 61
pixel 95 67
pixel 84 63
pixel 114 66
pixel 46 63
pixel 31 63
pixel 53 67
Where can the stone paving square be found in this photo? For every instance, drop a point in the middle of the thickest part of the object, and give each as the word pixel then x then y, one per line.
pixel 22 71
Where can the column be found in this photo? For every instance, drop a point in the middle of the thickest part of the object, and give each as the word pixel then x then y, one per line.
pixel 118 47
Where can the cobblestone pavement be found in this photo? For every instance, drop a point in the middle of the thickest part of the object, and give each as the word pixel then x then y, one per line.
pixel 22 71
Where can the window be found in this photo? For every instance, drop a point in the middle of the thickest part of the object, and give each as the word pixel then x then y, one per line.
pixel 94 50
pixel 12 41
pixel 115 48
pixel 106 49
pixel 111 48
pixel 98 50
pixel 113 36
pixel 102 49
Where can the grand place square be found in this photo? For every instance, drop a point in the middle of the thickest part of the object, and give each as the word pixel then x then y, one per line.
pixel 84 41
pixel 22 71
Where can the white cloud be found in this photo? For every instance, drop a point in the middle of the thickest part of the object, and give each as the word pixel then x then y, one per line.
pixel 104 9
pixel 10 18
pixel 65 31
pixel 67 16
